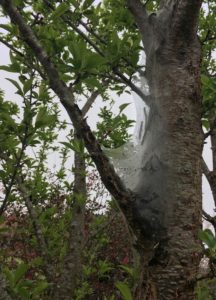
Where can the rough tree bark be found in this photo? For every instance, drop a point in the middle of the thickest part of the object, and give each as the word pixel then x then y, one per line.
pixel 165 211
pixel 169 194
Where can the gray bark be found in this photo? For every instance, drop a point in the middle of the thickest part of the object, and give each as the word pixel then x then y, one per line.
pixel 169 202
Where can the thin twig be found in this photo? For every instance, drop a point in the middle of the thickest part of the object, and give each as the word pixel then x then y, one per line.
pixel 89 102
pixel 99 230
pixel 123 78
pixel 26 194
pixel 12 48
pixel 211 177
pixel 140 14
pixel 134 88
pixel 102 41
pixel 106 170
pixel 209 218
pixel 97 36
pixel 212 127
pixel 14 174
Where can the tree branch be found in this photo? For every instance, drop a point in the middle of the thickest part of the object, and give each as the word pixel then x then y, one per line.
pixel 89 102
pixel 12 48
pixel 140 14
pixel 185 17
pixel 26 194
pixel 211 177
pixel 72 266
pixel 210 219
pixel 108 175
pixel 211 130
pixel 14 173
pixel 102 41
pixel 122 77
pixel 133 87
pixel 138 10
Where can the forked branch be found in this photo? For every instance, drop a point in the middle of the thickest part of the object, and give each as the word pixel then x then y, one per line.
pixel 97 49
pixel 108 175
pixel 140 14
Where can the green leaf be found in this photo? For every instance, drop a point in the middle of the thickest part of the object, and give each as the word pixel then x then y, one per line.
pixel 9 276
pixel 20 272
pixel 37 261
pixel 207 237
pixel 123 106
pixel 41 286
pixel 15 83
pixel 75 3
pixel 80 198
pixel 7 27
pixel 14 68
pixel 9 122
pixel 87 3
pixel 68 145
pixel 59 11
pixel 27 85
pixel 43 92
pixel 206 124
pixel 204 79
pixel 203 294
pixel 79 51
pixel 92 61
pixel 43 119
pixel 124 290
pixel 75 145
pixel 127 269
pixel 33 142
pixel 23 293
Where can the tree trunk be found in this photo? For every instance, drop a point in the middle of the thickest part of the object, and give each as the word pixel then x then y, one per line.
pixel 169 202
pixel 72 267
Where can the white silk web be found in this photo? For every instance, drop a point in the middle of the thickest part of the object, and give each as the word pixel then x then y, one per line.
pixel 128 158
